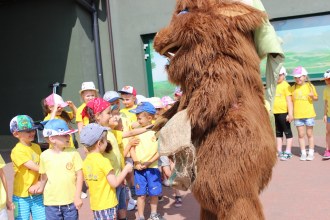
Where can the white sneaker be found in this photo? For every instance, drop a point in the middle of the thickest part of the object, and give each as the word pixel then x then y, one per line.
pixel 83 195
pixel 310 157
pixel 131 204
pixel 303 157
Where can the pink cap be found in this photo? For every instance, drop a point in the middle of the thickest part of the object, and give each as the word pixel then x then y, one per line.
pixel 166 100
pixel 54 98
pixel 299 71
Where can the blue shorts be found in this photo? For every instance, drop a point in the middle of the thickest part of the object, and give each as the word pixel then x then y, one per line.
pixel 121 196
pixel 328 119
pixel 24 206
pixel 67 212
pixel 310 122
pixel 147 181
pixel 107 214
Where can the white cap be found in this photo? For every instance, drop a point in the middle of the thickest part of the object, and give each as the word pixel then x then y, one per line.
pixel 327 74
pixel 283 71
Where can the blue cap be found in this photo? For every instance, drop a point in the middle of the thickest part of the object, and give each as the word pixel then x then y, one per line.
pixel 55 127
pixel 144 107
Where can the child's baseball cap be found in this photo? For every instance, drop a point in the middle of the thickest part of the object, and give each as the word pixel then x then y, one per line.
pixel 55 127
pixel 87 86
pixel 156 102
pixel 327 74
pixel 166 100
pixel 128 90
pixel 111 96
pixel 54 98
pixel 144 107
pixel 140 98
pixel 22 123
pixel 299 71
pixel 91 133
pixel 283 71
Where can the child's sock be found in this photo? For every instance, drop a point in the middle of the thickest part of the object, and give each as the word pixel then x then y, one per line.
pixel 153 214
pixel 288 151
pixel 311 152
pixel 303 152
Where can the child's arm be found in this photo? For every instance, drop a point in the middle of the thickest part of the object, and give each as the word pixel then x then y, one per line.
pixel 79 182
pixel 145 165
pixel 325 117
pixel 136 131
pixel 53 113
pixel 116 181
pixel 72 107
pixel 136 160
pixel 133 142
pixel 290 108
pixel 10 205
pixel 43 181
pixel 80 126
pixel 32 165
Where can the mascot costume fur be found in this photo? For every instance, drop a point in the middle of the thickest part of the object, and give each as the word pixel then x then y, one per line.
pixel 214 59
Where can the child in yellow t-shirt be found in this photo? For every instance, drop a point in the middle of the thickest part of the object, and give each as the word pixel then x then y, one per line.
pixel 26 157
pixel 99 174
pixel 283 114
pixel 326 117
pixel 303 95
pixel 5 202
pixel 147 178
pixel 61 173
pixel 128 95
pixel 53 107
pixel 87 93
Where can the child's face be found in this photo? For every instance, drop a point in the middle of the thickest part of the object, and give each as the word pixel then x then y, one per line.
pixel 88 95
pixel 144 119
pixel 327 81
pixel 117 102
pixel 58 111
pixel 300 80
pixel 128 100
pixel 280 78
pixel 60 141
pixel 103 117
pixel 25 137
pixel 114 119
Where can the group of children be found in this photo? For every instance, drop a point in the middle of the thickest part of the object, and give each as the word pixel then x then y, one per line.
pixel 295 103
pixel 121 151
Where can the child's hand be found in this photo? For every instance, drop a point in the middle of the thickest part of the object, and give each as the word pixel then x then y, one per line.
pixel 129 167
pixel 70 104
pixel 10 205
pixel 289 118
pixel 139 166
pixel 78 202
pixel 36 189
pixel 325 119
pixel 134 141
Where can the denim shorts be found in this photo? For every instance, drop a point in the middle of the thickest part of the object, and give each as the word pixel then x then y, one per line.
pixel 148 181
pixel 121 196
pixel 310 122
pixel 67 212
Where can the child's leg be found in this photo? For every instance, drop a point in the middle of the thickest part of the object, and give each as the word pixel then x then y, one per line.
pixel 121 197
pixel 140 181
pixel 327 137
pixel 301 138
pixel 279 133
pixel 141 201
pixel 154 188
pixel 38 208
pixel 22 207
pixel 310 137
pixel 153 204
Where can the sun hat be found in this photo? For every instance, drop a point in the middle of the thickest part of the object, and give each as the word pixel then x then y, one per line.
pixel 283 71
pixel 55 127
pixel 87 86
pixel 54 98
pixel 111 96
pixel 327 74
pixel 91 133
pixel 97 105
pixel 22 123
pixel 156 102
pixel 144 107
pixel 166 100
pixel 128 90
pixel 299 71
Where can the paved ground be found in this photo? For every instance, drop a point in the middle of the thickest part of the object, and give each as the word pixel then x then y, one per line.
pixel 298 190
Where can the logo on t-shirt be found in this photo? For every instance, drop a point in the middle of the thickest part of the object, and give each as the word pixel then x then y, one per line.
pixel 69 166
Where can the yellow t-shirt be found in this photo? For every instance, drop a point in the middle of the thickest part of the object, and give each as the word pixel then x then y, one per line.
pixel 326 97
pixel 79 118
pixel 302 104
pixel 96 168
pixel 280 104
pixel 3 195
pixel 125 113
pixel 24 178
pixel 119 137
pixel 60 169
pixel 114 156
pixel 59 117
pixel 147 148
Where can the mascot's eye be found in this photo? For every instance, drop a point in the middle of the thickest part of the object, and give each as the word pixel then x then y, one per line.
pixel 184 11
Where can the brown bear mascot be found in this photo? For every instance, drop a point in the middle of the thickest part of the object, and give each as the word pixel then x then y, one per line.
pixel 214 61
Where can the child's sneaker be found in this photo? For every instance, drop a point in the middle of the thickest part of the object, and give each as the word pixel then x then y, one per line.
pixel 156 216
pixel 310 157
pixel 303 157
pixel 160 198
pixel 280 154
pixel 326 155
pixel 131 204
pixel 178 201
pixel 286 156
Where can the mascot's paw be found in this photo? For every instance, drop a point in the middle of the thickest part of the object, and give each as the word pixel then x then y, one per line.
pixel 159 123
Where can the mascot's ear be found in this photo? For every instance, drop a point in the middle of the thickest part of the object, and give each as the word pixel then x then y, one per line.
pixel 244 17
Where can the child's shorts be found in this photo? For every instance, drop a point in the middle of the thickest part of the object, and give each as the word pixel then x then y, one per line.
pixel 24 206
pixel 147 181
pixel 328 119
pixel 107 214
pixel 121 196
pixel 304 121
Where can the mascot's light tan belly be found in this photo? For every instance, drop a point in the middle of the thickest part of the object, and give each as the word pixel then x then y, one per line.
pixel 213 58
